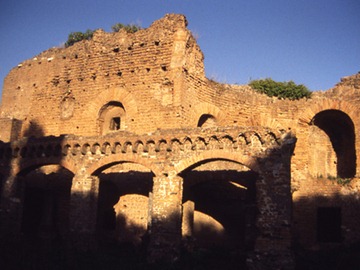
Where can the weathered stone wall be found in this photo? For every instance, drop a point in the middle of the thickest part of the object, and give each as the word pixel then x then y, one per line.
pixel 11 129
pixel 121 85
pixel 139 70
pixel 169 156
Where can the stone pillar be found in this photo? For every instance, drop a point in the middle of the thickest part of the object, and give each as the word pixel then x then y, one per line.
pixel 166 216
pixel 273 244
pixel 188 219
pixel 83 211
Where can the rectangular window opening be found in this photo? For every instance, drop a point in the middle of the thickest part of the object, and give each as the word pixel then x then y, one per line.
pixel 115 123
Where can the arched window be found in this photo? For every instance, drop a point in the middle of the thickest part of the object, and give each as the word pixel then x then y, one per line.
pixel 336 128
pixel 206 121
pixel 111 117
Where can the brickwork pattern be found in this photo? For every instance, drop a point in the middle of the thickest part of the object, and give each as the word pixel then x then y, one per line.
pixel 152 84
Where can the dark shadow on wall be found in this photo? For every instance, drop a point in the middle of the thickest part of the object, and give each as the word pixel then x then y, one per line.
pixel 123 204
pixel 218 194
pixel 12 186
pixel 325 231
pixel 45 187
pixel 225 208
pixel 46 203
pixel 35 200
pixel 34 131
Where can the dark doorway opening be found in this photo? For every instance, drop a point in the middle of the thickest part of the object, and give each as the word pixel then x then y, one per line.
pixel 46 204
pixel 340 129
pixel 123 204
pixel 219 202
pixel 115 123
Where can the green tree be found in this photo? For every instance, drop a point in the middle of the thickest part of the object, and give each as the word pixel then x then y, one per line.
pixel 286 90
pixel 78 36
pixel 130 28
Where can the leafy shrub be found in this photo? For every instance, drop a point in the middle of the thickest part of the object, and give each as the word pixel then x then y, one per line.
pixel 286 90
pixel 130 28
pixel 78 36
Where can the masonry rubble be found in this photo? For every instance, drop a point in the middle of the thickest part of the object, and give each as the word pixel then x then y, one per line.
pixel 127 129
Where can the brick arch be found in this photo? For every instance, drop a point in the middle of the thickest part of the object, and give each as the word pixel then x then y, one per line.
pixel 35 190
pixel 311 109
pixel 339 129
pixel 114 94
pixel 206 108
pixel 247 161
pixel 119 158
pixel 315 107
pixel 35 163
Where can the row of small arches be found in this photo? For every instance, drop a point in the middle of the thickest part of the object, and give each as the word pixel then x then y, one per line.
pixel 139 146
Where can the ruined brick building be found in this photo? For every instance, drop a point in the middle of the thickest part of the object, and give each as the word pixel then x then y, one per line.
pixel 122 138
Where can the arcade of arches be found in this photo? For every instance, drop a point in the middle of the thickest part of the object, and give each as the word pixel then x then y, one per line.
pixel 135 145
pixel 216 198
pixel 206 192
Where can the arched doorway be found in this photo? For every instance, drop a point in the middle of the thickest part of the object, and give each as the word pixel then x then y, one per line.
pixel 332 145
pixel 123 206
pixel 219 205
pixel 46 202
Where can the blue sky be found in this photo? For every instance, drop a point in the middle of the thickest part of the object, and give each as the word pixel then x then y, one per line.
pixel 312 42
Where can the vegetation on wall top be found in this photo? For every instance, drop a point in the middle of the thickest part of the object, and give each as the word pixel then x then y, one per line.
pixel 130 28
pixel 79 36
pixel 282 90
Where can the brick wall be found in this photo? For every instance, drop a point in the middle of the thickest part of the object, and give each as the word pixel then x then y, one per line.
pixel 154 79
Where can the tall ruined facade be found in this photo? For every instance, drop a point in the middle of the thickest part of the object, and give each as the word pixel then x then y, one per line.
pixel 123 139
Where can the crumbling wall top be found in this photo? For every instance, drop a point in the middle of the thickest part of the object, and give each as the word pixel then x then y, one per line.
pixel 349 87
pixel 171 21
